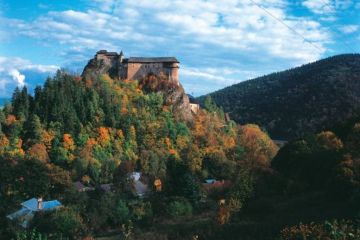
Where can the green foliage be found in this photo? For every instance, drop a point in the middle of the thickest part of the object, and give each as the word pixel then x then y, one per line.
pixel 30 235
pixel 179 207
pixel 64 222
pixel 297 101
pixel 122 212
pixel 334 230
pixel 241 191
pixel 99 130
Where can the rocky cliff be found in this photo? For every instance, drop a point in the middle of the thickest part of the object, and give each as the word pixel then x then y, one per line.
pixel 174 94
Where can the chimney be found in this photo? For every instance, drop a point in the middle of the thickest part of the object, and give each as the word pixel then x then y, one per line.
pixel 39 203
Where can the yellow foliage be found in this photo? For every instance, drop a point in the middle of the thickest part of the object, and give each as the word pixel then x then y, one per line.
pixel 47 137
pixel 329 141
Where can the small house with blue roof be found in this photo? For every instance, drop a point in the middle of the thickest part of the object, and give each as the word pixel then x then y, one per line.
pixel 30 207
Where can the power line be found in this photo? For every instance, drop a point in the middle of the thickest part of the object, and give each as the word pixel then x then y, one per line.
pixel 286 25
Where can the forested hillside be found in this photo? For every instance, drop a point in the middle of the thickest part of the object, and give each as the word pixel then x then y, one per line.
pixel 122 165
pixel 292 103
pixel 97 131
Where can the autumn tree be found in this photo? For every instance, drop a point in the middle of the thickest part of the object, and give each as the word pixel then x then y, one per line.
pixel 38 151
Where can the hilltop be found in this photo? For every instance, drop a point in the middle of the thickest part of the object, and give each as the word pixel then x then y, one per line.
pixel 294 102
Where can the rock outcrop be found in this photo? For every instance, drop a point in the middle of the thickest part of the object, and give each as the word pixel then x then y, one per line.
pixel 173 92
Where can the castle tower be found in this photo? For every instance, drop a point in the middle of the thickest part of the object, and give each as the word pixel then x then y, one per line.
pixel 121 56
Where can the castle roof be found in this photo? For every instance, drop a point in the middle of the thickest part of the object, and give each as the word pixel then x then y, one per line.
pixel 152 60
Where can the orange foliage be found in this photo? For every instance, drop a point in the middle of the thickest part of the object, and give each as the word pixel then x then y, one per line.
pixel 259 148
pixel 85 179
pixel 38 151
pixel 89 83
pixel 68 142
pixel 223 215
pixel 10 119
pixel 172 152
pixel 167 142
pixel 4 143
pixel 104 136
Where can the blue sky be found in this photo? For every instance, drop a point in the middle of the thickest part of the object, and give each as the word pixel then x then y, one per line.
pixel 218 42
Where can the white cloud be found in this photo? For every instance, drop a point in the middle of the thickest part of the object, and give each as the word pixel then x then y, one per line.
pixel 347 29
pixel 223 76
pixel 320 6
pixel 231 25
pixel 12 73
pixel 18 77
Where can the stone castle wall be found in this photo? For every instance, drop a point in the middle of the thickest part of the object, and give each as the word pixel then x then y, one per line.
pixel 135 70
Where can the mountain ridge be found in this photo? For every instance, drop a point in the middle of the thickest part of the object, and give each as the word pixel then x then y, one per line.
pixel 291 103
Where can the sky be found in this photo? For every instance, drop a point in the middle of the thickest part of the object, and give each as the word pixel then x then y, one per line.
pixel 218 42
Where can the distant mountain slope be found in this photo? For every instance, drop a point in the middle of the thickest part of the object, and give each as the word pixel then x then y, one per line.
pixel 304 99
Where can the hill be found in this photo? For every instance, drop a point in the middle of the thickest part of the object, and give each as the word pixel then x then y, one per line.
pixel 79 140
pixel 292 103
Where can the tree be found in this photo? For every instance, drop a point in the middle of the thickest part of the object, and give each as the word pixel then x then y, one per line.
pixel 179 207
pixel 241 190
pixel 329 141
pixel 38 151
pixel 33 129
pixel 65 222
pixel 122 212
pixel 59 180
pixel 31 178
pixel 259 148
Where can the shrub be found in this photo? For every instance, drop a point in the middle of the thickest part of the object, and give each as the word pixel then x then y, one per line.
pixel 179 207
pixel 335 230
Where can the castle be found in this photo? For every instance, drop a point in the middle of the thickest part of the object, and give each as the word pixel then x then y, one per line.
pixel 139 67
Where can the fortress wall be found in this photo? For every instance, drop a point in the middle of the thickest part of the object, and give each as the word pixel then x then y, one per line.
pixel 175 72
pixel 141 70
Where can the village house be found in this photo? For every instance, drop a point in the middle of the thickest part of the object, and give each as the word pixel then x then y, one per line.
pixel 30 207
pixel 214 186
pixel 138 186
pixel 194 104
pixel 80 187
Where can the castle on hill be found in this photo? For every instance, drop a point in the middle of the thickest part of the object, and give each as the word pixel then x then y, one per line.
pixel 139 67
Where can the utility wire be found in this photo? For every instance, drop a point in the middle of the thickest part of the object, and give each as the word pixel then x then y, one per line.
pixel 289 27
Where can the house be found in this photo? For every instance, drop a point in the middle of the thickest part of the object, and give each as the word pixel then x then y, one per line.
pixel 30 207
pixel 158 185
pixel 194 104
pixel 211 185
pixel 138 186
pixel 210 180
pixel 80 187
pixel 106 187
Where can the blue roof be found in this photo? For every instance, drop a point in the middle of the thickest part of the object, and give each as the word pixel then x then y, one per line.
pixel 29 207
pixel 32 204
pixel 211 180
pixel 51 204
